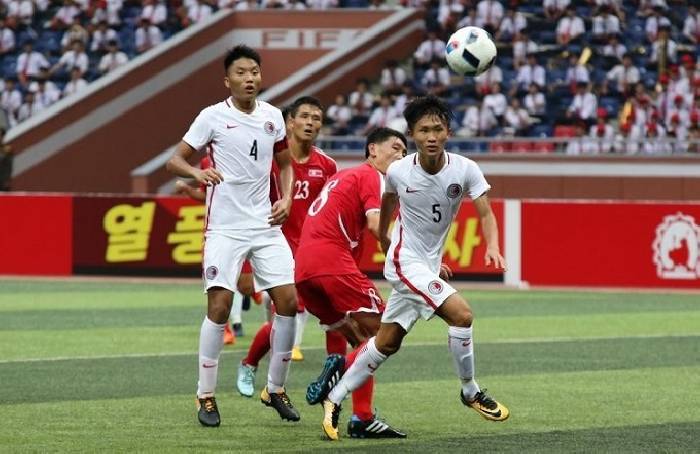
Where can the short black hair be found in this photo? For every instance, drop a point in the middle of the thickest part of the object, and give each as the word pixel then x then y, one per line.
pixel 381 135
pixel 240 51
pixel 427 105
pixel 286 111
pixel 310 100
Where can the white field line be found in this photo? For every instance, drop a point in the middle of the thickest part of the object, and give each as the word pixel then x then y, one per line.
pixel 526 340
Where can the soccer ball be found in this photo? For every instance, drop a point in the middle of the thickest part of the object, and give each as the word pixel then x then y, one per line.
pixel 470 51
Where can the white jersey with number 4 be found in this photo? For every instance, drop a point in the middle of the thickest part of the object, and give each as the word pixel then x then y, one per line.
pixel 427 206
pixel 241 147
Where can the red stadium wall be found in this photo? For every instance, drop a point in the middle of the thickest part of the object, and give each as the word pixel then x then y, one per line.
pixel 563 243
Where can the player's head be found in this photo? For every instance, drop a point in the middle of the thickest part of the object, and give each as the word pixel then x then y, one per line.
pixel 384 146
pixel 428 119
pixel 242 73
pixel 305 118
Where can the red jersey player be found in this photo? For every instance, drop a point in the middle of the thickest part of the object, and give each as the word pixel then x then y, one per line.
pixel 329 281
pixel 312 168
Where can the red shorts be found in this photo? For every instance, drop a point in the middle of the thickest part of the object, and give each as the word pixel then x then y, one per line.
pixel 330 298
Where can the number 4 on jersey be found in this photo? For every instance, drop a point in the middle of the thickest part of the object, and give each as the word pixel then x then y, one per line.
pixel 254 150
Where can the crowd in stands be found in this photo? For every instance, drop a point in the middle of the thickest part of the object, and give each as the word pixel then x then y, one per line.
pixel 621 76
pixel 602 69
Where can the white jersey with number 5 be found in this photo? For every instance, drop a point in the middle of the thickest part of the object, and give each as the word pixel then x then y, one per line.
pixel 241 148
pixel 427 206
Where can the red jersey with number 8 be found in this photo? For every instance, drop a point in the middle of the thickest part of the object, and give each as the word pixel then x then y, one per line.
pixel 331 235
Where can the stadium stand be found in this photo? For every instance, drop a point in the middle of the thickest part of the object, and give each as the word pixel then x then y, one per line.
pixel 634 64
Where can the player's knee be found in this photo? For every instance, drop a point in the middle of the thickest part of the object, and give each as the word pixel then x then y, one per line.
pixel 286 304
pixel 245 285
pixel 463 319
pixel 389 347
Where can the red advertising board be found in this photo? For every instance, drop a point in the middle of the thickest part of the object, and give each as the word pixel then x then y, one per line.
pixel 137 235
pixel 465 246
pixel 611 244
pixel 35 234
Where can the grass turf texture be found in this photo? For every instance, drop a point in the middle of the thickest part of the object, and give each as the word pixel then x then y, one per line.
pixel 94 366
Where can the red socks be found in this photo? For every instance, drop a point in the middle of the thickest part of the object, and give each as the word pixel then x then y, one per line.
pixel 260 345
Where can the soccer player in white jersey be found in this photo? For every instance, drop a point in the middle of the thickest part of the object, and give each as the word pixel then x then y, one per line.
pixel 429 185
pixel 244 135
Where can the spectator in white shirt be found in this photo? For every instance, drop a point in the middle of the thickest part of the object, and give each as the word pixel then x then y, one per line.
pixel 522 47
pixel 113 59
pixel 361 99
pixel 109 11
pixel 76 32
pixel 19 12
pixel 471 123
pixel 322 4
pixel 584 105
pixel 101 36
pixel 570 27
pixel 656 141
pixel 65 16
pixel 679 131
pixel 489 13
pixel 627 139
pixel 496 102
pixel 155 12
pixel 614 48
pixel 392 77
pixel 29 62
pixel 691 25
pixel 429 50
pixel 512 24
pixel 75 84
pixel 30 107
pixel 576 73
pixel 198 12
pixel 517 118
pixel 11 98
pixel 654 23
pixel 574 146
pixel 469 19
pixel 601 134
pixel 554 9
pixel 529 73
pixel 535 102
pixel 407 94
pixel 7 38
pixel 605 25
pixel 147 36
pixel 45 92
pixel 625 75
pixel 76 57
pixel 339 115
pixel 663 44
pixel 246 5
pixel 381 115
pixel 485 81
pixel 436 80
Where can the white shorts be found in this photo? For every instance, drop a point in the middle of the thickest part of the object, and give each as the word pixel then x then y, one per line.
pixel 417 292
pixel 226 250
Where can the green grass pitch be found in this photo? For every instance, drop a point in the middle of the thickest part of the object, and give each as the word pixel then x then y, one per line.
pixel 92 366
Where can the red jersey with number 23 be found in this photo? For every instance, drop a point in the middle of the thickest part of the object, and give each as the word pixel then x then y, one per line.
pixel 331 236
pixel 309 178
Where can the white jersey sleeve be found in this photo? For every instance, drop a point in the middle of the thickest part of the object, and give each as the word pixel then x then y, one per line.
pixel 201 131
pixel 474 180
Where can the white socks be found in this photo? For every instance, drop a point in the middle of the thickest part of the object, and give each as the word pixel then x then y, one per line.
pixel 461 346
pixel 236 307
pixel 302 317
pixel 366 363
pixel 211 341
pixel 281 342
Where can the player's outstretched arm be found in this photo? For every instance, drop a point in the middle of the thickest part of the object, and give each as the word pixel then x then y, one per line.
pixel 282 207
pixel 389 202
pixel 178 165
pixel 489 227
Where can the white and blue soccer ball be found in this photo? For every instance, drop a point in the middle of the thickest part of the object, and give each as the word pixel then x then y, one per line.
pixel 470 51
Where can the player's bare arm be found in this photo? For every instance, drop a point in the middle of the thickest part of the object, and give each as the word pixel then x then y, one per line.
pixel 182 187
pixel 178 165
pixel 282 207
pixel 389 202
pixel 489 226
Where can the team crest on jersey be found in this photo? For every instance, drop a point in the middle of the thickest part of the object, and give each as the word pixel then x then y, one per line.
pixel 454 190
pixel 269 127
pixel 316 173
pixel 435 287
pixel 211 273
pixel 677 248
